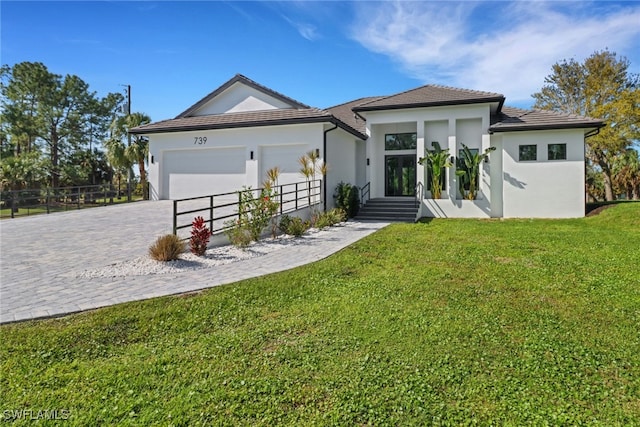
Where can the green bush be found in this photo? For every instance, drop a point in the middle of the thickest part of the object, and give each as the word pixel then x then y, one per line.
pixel 239 235
pixel 294 226
pixel 347 198
pixel 329 218
pixel 166 248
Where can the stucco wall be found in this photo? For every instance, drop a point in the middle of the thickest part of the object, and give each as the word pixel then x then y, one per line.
pixel 543 188
pixel 341 159
pixel 239 98
pixel 300 138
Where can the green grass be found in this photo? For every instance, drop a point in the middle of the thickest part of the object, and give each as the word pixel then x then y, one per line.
pixel 448 322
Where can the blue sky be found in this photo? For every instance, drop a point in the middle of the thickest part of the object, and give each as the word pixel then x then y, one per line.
pixel 320 53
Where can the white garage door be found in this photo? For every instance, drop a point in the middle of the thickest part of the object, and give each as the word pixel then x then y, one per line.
pixel 285 157
pixel 191 173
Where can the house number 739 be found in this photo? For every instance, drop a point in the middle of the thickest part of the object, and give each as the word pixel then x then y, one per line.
pixel 200 140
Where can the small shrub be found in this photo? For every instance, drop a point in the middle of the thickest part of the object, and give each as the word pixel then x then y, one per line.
pixel 338 215
pixel 238 234
pixel 200 235
pixel 295 226
pixel 322 220
pixel 329 218
pixel 166 248
pixel 285 220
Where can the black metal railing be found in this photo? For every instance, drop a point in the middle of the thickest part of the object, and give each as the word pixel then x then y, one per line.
pixel 47 200
pixel 365 190
pixel 219 210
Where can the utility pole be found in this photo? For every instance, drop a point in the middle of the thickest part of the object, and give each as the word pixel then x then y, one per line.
pixel 128 141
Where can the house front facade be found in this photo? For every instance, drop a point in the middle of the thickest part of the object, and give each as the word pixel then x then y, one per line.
pixel 230 138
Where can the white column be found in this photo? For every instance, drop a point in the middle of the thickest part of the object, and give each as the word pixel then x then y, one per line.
pixel 452 191
pixel 420 152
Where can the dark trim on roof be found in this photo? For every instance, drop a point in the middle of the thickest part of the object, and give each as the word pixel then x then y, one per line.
pixel 431 104
pixel 239 78
pixel 257 123
pixel 522 128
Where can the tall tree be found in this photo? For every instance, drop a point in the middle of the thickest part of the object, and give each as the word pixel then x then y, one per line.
pixel 53 113
pixel 124 154
pixel 599 87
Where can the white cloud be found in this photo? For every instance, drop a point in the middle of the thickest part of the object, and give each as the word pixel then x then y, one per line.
pixel 501 47
pixel 308 31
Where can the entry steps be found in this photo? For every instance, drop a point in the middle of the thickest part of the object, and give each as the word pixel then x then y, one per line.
pixel 389 209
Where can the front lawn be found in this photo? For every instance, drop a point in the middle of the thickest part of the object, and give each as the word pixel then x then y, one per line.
pixel 447 322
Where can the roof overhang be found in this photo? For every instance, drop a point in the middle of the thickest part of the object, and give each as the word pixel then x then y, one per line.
pixel 499 100
pixel 588 127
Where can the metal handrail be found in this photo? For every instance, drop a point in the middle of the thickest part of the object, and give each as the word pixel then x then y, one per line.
pixel 365 189
pixel 304 194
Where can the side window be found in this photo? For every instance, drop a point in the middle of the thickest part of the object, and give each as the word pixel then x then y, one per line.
pixel 528 153
pixel 557 151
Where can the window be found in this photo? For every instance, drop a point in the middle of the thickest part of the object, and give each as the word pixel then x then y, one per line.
pixel 528 152
pixel 400 141
pixel 557 151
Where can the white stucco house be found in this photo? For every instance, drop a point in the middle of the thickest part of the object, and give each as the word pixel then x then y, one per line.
pixel 233 135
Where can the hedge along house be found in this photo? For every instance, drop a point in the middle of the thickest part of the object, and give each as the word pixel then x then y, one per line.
pixel 232 136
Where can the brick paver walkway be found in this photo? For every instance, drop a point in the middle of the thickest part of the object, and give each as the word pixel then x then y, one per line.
pixel 37 253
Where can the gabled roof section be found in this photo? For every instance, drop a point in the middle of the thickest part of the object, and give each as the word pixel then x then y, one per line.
pixel 344 113
pixel 515 119
pixel 431 96
pixel 239 78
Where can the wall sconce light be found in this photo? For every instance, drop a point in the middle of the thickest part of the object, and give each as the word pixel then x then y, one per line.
pixel 453 159
pixel 152 159
pixel 367 161
pixel 486 159
pixel 318 152
pixel 251 155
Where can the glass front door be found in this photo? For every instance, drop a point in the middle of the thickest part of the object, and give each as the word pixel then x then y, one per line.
pixel 400 175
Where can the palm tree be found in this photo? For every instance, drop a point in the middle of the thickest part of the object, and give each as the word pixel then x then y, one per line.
pixel 136 151
pixel 626 169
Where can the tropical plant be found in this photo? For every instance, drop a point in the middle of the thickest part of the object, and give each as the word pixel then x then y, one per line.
pixel 271 183
pixel 310 167
pixel 124 152
pixel 436 160
pixel 166 248
pixel 200 235
pixel 469 169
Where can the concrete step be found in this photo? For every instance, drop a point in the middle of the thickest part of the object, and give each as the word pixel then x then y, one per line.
pixel 394 210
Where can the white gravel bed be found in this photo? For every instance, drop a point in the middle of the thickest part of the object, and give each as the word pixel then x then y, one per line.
pixel 216 256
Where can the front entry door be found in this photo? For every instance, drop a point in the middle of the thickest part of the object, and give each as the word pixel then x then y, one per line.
pixel 400 175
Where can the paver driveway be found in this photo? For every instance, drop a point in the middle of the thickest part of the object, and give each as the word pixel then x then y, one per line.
pixel 38 253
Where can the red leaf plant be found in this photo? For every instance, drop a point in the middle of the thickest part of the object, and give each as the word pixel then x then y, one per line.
pixel 200 235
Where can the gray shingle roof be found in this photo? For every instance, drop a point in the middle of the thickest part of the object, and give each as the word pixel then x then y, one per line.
pixel 430 96
pixel 507 119
pixel 511 119
pixel 232 120
pixel 344 112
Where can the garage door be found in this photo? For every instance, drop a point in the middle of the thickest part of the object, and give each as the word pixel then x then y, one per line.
pixel 285 157
pixel 191 173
